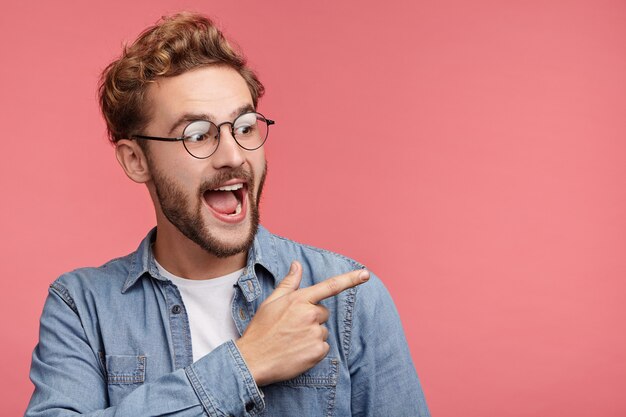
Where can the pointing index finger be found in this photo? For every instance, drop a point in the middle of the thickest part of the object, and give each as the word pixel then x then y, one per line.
pixel 333 286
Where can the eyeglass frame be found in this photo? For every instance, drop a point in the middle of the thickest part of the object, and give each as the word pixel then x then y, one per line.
pixel 269 123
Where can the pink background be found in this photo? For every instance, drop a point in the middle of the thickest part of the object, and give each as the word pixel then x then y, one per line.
pixel 471 153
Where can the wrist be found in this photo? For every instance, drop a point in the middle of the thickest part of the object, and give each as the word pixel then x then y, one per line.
pixel 251 361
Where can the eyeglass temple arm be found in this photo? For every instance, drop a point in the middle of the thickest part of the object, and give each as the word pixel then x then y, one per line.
pixel 157 138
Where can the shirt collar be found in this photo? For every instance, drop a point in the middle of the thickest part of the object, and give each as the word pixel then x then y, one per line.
pixel 262 253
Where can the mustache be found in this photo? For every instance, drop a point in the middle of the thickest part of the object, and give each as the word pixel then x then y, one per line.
pixel 222 176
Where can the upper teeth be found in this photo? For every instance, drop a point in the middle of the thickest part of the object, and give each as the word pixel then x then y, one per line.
pixel 229 187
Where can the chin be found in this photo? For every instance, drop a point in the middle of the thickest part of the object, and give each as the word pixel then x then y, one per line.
pixel 224 242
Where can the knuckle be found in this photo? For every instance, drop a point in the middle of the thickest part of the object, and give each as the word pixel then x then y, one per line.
pixel 321 350
pixel 333 285
pixel 314 334
pixel 319 332
pixel 311 316
pixel 322 314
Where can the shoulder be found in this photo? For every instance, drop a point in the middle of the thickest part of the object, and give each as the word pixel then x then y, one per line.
pixel 278 252
pixel 83 283
pixel 317 257
pixel 114 277
pixel 318 264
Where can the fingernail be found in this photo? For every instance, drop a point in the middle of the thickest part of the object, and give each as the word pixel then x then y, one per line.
pixel 293 268
pixel 364 275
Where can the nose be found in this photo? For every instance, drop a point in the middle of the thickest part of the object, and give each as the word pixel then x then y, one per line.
pixel 228 153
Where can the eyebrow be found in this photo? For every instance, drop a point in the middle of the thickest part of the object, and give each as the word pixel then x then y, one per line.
pixel 190 117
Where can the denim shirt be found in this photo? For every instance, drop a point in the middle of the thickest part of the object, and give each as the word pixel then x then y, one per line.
pixel 115 341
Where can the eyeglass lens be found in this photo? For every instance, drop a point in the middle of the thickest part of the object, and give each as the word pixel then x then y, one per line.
pixel 202 137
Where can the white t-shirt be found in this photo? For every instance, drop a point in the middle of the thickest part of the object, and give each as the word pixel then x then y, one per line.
pixel 208 305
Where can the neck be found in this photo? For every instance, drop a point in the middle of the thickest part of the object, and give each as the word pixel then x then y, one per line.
pixel 184 258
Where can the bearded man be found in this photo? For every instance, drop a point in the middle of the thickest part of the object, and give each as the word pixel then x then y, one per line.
pixel 212 315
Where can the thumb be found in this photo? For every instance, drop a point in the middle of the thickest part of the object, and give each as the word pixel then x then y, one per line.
pixel 289 284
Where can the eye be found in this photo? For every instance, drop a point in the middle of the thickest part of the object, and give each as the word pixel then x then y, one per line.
pixel 196 137
pixel 200 131
pixel 244 130
pixel 245 125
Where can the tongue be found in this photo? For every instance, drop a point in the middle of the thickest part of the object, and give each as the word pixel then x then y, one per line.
pixel 223 202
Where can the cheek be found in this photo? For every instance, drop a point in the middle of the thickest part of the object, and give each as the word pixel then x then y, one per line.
pixel 184 176
pixel 259 166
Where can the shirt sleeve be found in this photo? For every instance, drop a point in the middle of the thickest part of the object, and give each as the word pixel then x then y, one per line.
pixel 383 377
pixel 70 380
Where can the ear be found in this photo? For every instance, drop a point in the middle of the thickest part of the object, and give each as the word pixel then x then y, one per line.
pixel 133 160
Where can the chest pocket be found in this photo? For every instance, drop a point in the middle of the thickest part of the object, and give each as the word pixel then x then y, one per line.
pixel 123 373
pixel 312 392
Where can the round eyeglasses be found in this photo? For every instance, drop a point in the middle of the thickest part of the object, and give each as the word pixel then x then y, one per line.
pixel 201 137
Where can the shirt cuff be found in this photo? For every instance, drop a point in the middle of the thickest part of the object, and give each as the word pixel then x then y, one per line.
pixel 224 384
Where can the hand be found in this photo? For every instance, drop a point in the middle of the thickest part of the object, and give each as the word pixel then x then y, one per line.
pixel 286 336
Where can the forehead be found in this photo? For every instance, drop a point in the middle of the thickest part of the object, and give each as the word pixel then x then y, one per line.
pixel 217 91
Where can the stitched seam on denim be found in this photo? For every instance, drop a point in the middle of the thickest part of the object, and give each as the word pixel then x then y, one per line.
pixel 251 386
pixel 322 251
pixel 186 331
pixel 310 381
pixel 255 257
pixel 64 294
pixel 275 257
pixel 250 291
pixel 136 377
pixel 162 288
pixel 122 379
pixel 314 380
pixel 129 282
pixel 204 397
pixel 347 320
pixel 333 391
pixel 233 311
pixel 169 322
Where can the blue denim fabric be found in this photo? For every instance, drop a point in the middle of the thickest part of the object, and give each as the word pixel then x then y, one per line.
pixel 115 341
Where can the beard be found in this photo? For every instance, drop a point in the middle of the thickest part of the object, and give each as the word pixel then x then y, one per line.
pixel 187 217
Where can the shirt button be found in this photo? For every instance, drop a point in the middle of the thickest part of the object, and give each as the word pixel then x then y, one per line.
pixel 176 309
pixel 242 313
pixel 249 407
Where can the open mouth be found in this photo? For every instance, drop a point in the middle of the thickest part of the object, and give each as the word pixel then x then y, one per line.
pixel 227 200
